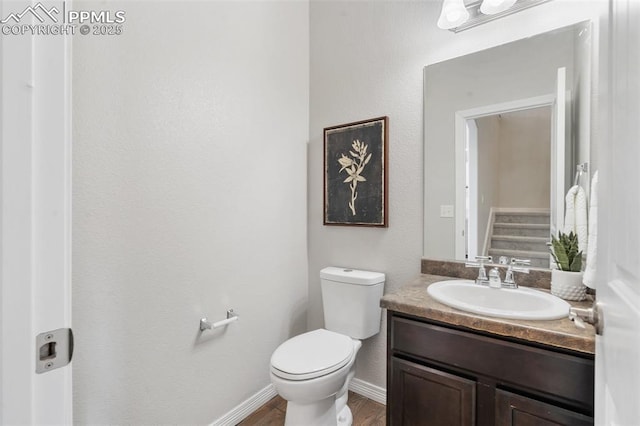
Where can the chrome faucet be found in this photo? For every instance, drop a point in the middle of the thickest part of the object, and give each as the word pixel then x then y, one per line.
pixel 482 271
pixel 516 265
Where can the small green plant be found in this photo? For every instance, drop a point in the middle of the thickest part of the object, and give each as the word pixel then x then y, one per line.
pixel 564 250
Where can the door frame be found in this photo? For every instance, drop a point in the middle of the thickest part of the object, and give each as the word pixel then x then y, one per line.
pixel 35 224
pixel 461 132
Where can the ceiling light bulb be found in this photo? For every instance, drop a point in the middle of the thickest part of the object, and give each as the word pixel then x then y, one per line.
pixel 453 14
pixel 491 7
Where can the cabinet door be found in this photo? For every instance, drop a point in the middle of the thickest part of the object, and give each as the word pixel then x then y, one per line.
pixel 425 396
pixel 517 410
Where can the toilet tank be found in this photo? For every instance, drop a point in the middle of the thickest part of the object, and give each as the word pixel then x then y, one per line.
pixel 351 301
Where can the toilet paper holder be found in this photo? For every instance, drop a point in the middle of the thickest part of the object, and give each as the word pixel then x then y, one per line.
pixel 205 324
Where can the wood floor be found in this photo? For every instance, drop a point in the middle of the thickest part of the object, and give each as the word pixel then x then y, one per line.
pixel 365 412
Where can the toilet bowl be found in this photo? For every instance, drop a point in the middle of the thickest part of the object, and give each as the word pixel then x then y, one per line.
pixel 312 372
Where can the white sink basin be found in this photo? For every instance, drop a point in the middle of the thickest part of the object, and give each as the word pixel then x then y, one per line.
pixel 521 303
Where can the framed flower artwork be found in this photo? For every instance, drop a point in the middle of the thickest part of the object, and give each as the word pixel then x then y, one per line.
pixel 355 173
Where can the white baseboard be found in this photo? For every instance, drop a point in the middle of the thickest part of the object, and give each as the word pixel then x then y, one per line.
pixel 368 390
pixel 257 400
pixel 246 408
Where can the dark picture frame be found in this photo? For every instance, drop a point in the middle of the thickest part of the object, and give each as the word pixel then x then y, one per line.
pixel 355 173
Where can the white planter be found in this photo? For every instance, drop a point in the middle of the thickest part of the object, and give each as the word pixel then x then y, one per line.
pixel 567 285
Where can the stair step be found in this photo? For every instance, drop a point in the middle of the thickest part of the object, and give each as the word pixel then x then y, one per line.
pixel 522 218
pixel 539 259
pixel 522 229
pixel 522 243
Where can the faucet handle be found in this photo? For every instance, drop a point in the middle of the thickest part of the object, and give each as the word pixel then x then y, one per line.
pixel 515 266
pixel 480 260
pixel 517 263
pixel 482 272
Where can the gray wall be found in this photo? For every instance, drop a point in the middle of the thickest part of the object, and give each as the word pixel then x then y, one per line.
pixel 516 164
pixel 189 198
pixel 524 159
pixel 361 68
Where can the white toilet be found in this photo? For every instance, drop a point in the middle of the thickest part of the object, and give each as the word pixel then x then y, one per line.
pixel 312 371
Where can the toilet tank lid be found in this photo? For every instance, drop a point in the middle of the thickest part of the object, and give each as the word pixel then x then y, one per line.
pixel 351 276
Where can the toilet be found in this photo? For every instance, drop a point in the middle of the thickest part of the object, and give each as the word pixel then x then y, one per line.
pixel 312 371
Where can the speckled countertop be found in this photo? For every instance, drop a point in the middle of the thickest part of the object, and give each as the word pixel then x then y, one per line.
pixel 413 299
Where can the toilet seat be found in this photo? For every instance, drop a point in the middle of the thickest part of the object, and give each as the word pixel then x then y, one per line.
pixel 310 355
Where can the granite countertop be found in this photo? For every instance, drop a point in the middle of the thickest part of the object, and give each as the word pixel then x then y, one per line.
pixel 413 299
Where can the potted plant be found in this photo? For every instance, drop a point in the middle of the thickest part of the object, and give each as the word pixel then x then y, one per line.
pixel 566 280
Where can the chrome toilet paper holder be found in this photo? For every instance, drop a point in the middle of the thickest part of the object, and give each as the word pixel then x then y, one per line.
pixel 205 324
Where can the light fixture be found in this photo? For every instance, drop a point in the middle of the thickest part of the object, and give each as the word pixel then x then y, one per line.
pixel 491 7
pixel 460 15
pixel 454 13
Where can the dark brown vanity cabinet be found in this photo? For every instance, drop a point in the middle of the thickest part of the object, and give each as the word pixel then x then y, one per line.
pixel 441 375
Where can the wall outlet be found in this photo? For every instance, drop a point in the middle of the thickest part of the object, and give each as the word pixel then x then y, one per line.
pixel 446 211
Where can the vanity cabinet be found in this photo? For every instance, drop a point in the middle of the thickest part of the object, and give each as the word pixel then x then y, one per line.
pixel 442 375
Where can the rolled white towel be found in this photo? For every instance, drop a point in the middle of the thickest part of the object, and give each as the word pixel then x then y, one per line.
pixel 570 210
pixel 589 278
pixel 575 218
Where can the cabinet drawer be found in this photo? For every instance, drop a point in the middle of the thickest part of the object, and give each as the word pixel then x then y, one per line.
pixel 561 376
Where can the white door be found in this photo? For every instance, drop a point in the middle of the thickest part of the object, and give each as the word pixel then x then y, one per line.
pixel 618 289
pixel 35 226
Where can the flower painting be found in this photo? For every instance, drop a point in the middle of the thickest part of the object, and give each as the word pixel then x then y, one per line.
pixel 354 168
pixel 355 184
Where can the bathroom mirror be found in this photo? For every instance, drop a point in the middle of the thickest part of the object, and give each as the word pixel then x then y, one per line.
pixel 504 130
